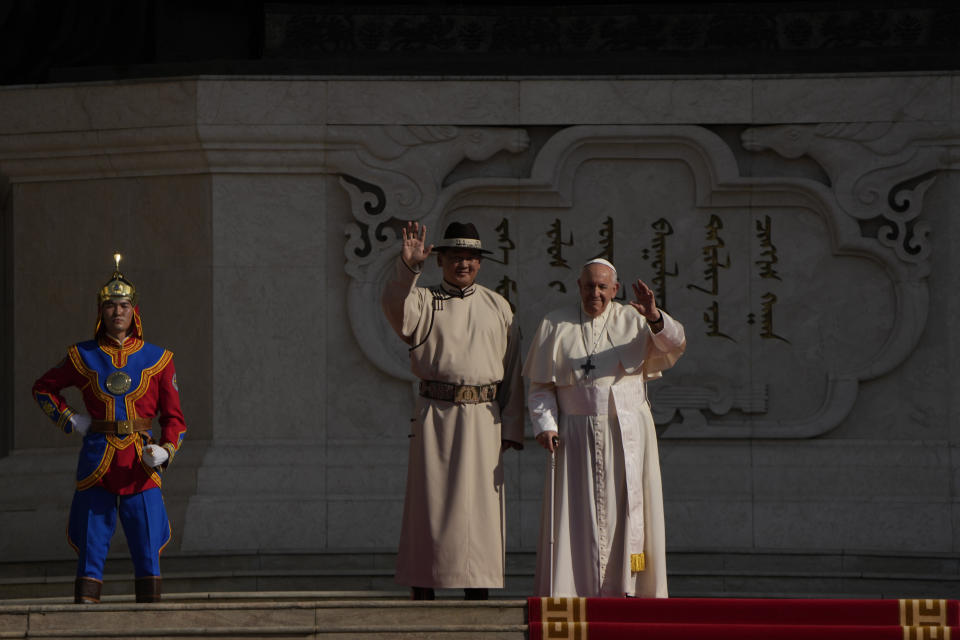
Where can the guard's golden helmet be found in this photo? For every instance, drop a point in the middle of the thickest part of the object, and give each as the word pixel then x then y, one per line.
pixel 117 287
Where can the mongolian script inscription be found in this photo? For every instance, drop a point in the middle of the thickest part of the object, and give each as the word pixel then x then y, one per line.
pixel 664 269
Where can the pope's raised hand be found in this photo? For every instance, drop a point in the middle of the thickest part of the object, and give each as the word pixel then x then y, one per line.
pixel 413 251
pixel 645 304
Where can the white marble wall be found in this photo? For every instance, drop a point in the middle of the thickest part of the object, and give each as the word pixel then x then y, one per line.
pixel 248 208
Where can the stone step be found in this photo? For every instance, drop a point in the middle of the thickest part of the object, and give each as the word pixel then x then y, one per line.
pixel 269 581
pixel 259 617
pixel 228 596
pixel 263 572
pixel 780 574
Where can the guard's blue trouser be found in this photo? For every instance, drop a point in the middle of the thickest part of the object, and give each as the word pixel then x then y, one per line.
pixel 93 519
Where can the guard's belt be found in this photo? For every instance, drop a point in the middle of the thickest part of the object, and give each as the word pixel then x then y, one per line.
pixel 458 393
pixel 120 427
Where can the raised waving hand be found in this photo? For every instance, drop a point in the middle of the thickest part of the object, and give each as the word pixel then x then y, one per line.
pixel 413 251
pixel 645 303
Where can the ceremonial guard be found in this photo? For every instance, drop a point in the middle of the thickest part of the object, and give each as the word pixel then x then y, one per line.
pixel 125 383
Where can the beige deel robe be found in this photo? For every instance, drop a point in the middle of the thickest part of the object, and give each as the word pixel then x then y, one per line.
pixel 453 533
pixel 608 501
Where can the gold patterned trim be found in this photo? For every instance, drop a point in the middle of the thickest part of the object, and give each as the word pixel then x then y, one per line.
pixel 564 618
pixel 91 376
pixel 113 444
pixel 122 442
pixel 120 354
pixel 923 613
pixel 169 532
pixel 638 562
pixel 145 377
pixel 926 633
pixel 924 619
pixel 69 541
pixel 65 419
pixel 150 471
pixel 101 469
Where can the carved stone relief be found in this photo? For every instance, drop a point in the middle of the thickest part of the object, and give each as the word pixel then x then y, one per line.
pixel 747 264
pixel 879 171
pixel 397 172
pixel 316 31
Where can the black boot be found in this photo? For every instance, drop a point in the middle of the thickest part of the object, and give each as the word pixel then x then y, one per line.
pixel 148 589
pixel 476 594
pixel 422 593
pixel 87 591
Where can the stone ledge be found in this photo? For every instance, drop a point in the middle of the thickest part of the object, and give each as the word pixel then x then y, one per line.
pixel 263 618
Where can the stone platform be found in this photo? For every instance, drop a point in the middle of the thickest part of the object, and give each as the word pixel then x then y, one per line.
pixel 267 615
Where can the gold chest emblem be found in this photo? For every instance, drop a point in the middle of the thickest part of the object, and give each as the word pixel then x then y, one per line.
pixel 118 383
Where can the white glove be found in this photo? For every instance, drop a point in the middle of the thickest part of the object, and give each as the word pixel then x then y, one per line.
pixel 81 423
pixel 154 456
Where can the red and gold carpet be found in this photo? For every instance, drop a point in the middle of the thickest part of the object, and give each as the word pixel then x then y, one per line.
pixel 741 619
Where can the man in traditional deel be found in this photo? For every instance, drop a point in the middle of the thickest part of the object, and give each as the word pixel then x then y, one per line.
pixel 125 383
pixel 464 347
pixel 588 366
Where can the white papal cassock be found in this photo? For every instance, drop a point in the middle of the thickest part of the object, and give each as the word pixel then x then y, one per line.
pixel 608 501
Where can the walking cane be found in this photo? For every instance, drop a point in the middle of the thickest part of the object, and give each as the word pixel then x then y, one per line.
pixel 555 441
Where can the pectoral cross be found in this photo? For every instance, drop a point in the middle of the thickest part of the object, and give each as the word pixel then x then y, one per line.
pixel 587 366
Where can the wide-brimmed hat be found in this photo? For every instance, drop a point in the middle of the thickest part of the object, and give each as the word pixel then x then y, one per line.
pixel 461 235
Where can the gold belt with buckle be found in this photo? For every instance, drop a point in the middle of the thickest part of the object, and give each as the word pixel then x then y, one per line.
pixel 458 393
pixel 120 427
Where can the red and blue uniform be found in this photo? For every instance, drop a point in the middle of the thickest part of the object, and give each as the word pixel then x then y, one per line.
pixel 112 478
